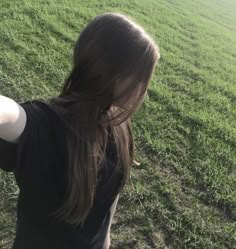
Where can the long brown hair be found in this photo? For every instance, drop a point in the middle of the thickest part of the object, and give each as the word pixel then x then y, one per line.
pixel 113 62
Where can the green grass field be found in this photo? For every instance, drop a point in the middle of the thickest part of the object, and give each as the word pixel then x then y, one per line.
pixel 183 195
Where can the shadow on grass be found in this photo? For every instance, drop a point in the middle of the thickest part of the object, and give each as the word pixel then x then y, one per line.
pixel 125 245
pixel 145 217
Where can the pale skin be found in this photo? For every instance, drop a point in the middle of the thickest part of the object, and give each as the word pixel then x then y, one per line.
pixel 12 123
pixel 12 119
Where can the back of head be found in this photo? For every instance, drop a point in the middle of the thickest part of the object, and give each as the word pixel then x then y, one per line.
pixel 113 62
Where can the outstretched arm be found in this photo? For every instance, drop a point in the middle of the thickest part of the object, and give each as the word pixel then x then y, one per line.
pixel 12 119
pixel 112 211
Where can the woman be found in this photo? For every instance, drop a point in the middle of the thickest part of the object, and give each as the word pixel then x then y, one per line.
pixel 71 155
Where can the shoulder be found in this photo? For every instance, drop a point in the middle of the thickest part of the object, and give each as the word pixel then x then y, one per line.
pixel 16 118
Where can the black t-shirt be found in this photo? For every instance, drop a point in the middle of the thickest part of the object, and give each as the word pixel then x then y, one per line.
pixel 39 163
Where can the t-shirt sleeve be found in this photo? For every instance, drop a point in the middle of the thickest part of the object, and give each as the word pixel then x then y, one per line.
pixel 10 152
pixel 8 155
